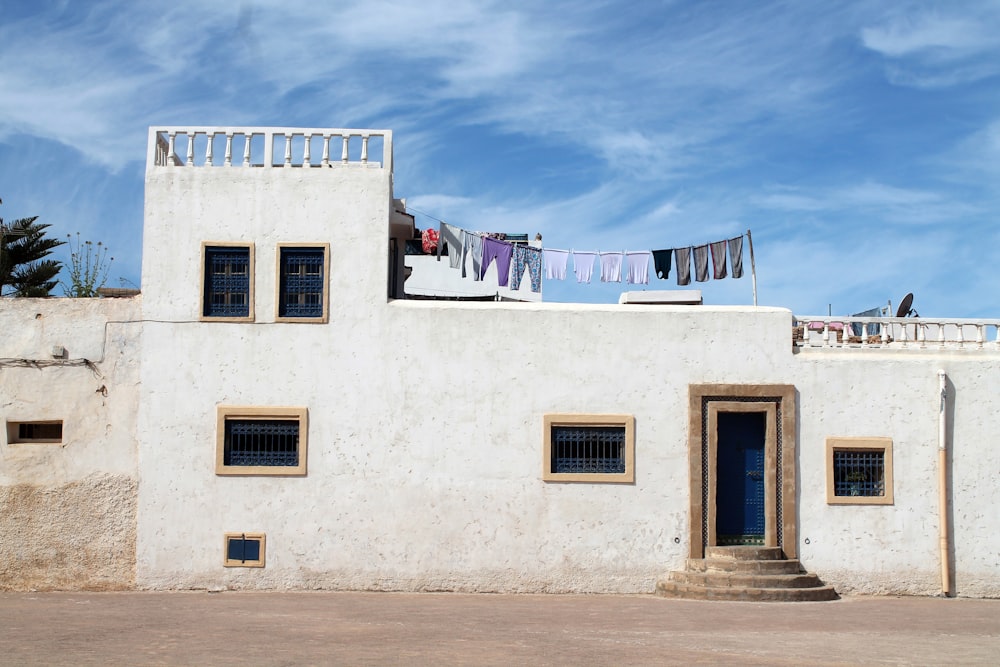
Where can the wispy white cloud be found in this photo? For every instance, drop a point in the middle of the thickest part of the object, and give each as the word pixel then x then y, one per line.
pixel 940 47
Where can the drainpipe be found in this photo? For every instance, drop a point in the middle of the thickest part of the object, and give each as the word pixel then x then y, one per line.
pixel 943 483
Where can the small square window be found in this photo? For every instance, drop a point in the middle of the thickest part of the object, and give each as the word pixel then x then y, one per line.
pixel 589 448
pixel 243 550
pixel 859 471
pixel 228 282
pixel 261 441
pixel 35 432
pixel 302 278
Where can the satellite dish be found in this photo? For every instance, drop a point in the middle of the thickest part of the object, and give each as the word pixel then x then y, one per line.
pixel 904 309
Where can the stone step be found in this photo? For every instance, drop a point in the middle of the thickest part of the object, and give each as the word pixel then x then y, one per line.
pixel 730 580
pixel 744 566
pixel 674 589
pixel 745 553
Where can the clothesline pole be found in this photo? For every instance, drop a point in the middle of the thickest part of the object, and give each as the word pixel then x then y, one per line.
pixel 753 268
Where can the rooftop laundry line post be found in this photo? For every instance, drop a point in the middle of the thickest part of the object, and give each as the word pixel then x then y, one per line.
pixel 753 268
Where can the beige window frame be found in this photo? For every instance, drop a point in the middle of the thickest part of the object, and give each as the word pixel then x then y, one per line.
pixel 595 420
pixel 873 444
pixel 325 317
pixel 297 414
pixel 228 562
pixel 23 432
pixel 250 287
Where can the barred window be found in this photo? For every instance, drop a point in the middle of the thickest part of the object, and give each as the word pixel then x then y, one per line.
pixel 302 294
pixel 228 282
pixel 261 441
pixel 599 449
pixel 859 471
pixel 589 448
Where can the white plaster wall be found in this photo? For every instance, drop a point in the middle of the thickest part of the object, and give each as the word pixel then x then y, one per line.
pixel 425 420
pixel 895 549
pixel 97 403
pixel 67 511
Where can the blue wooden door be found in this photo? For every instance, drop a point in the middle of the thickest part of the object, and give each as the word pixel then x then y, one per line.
pixel 740 477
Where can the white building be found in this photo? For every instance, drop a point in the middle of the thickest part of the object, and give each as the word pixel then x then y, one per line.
pixel 271 401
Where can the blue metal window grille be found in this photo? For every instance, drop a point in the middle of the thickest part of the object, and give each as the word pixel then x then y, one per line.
pixel 301 282
pixel 859 472
pixel 588 449
pixel 243 549
pixel 227 282
pixel 261 442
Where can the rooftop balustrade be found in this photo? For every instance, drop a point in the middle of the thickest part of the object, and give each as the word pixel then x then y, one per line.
pixel 261 146
pixel 896 333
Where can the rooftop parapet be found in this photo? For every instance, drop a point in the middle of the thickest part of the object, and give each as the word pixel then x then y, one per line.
pixel 258 146
pixel 897 333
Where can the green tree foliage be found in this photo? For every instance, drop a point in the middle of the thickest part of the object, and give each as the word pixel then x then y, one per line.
pixel 24 271
pixel 89 267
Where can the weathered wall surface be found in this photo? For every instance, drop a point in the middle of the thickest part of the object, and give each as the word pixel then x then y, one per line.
pixel 425 420
pixel 893 549
pixel 67 509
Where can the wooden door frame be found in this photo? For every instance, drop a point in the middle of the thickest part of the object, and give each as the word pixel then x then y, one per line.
pixel 779 403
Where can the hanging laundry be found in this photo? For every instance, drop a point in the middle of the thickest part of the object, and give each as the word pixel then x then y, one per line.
pixel 736 255
pixel 501 251
pixel 555 263
pixel 611 267
pixel 661 262
pixel 700 262
pixel 583 265
pixel 526 257
pixel 429 241
pixel 638 267
pixel 454 237
pixel 473 248
pixel 718 259
pixel 683 257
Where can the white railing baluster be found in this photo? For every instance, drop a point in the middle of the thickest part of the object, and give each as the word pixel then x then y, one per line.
pixel 171 155
pixel 364 149
pixel 343 154
pixel 980 335
pixel 190 150
pixel 247 136
pixel 228 162
pixel 306 149
pixel 288 149
pixel 960 336
pixel 326 150
pixel 208 148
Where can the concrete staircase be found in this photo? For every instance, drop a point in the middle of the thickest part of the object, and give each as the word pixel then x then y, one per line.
pixel 752 574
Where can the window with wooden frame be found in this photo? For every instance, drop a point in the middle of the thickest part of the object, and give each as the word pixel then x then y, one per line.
pixel 261 441
pixel 859 471
pixel 227 282
pixel 45 432
pixel 243 550
pixel 589 448
pixel 302 282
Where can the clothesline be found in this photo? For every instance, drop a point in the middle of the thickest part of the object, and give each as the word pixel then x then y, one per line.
pixel 514 259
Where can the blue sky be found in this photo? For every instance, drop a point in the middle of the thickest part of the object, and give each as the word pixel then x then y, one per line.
pixel 860 141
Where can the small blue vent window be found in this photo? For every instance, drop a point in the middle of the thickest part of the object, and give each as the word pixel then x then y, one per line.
pixel 858 472
pixel 588 449
pixel 227 282
pixel 243 549
pixel 261 442
pixel 302 282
